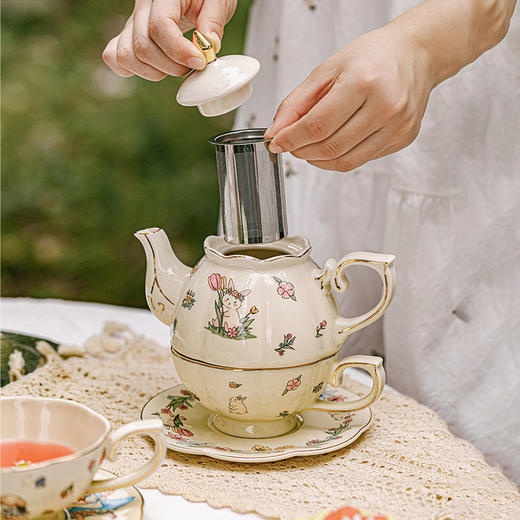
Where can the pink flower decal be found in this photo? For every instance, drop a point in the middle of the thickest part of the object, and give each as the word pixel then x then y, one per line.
pixel 214 281
pixel 320 328
pixel 232 332
pixel 292 384
pixel 285 289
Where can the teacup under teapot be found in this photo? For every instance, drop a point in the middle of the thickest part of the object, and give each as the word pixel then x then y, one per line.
pixel 255 326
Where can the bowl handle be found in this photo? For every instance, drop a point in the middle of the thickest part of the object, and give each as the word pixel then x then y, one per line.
pixel 373 365
pixel 151 427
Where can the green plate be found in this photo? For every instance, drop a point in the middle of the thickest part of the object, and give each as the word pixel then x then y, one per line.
pixel 10 341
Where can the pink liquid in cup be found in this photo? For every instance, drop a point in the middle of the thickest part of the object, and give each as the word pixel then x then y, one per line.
pixel 22 453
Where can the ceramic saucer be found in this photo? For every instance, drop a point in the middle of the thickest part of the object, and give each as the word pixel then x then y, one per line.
pixel 121 504
pixel 189 429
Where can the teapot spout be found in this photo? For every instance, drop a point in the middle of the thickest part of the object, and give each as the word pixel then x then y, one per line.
pixel 166 275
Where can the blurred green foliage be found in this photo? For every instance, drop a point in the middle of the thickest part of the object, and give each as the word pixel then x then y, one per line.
pixel 88 157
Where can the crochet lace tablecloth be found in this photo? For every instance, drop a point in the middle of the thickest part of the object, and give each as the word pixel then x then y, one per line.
pixel 407 464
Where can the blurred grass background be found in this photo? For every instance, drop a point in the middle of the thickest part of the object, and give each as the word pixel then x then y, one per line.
pixel 88 157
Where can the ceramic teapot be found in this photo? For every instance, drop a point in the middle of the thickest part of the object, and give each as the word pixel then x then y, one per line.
pixel 255 326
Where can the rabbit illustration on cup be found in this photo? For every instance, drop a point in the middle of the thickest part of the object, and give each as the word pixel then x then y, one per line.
pixel 228 322
pixel 237 405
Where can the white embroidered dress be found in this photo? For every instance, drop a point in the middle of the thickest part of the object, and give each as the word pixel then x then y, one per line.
pixel 448 207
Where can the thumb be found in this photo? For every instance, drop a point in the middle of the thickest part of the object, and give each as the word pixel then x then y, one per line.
pixel 298 103
pixel 212 18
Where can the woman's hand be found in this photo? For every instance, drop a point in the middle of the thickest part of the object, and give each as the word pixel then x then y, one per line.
pixel 152 45
pixel 362 103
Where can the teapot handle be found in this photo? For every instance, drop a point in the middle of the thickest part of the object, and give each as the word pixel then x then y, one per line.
pixel 335 275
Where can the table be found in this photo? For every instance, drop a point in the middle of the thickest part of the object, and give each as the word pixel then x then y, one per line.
pixel 73 322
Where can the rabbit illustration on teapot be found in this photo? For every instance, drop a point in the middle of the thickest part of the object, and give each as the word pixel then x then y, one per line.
pixel 232 301
pixel 228 322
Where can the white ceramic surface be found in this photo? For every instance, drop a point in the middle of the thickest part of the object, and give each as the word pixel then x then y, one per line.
pixel 221 87
pixel 47 487
pixel 321 432
pixel 269 316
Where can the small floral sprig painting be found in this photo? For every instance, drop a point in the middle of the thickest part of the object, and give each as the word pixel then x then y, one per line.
pixel 285 413
pixel 174 421
pixel 320 328
pixel 292 384
pixel 345 425
pixel 232 384
pixel 228 323
pixel 285 289
pixel 189 300
pixel 318 387
pixel 260 447
pixel 333 433
pixel 287 344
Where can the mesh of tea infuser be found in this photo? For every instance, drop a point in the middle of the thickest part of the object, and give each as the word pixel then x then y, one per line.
pixel 407 464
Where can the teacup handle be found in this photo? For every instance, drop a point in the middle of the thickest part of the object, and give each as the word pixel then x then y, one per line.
pixel 374 366
pixel 151 427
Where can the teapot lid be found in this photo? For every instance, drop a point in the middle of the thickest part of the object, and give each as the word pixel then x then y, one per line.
pixel 222 86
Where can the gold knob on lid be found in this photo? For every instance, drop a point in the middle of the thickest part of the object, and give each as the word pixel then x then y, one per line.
pixel 204 45
pixel 223 85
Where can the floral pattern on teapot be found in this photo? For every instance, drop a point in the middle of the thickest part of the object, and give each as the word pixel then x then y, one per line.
pixel 320 328
pixel 228 322
pixel 189 300
pixel 285 289
pixel 286 344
